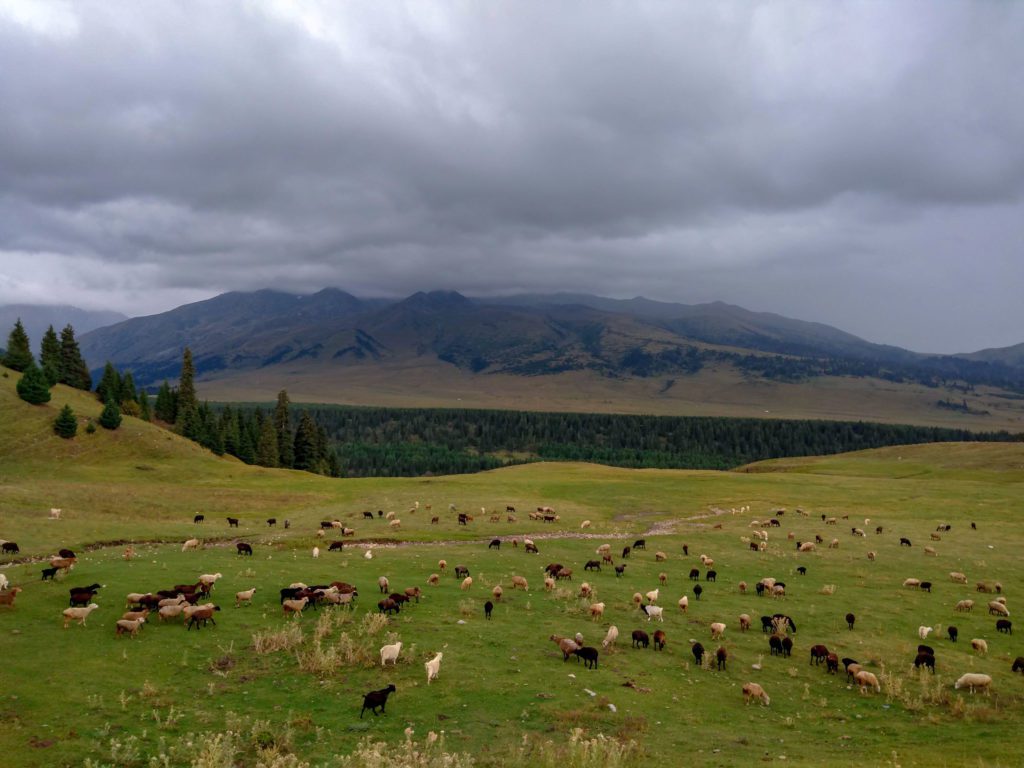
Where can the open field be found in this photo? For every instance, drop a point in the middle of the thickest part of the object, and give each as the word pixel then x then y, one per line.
pixel 718 390
pixel 82 693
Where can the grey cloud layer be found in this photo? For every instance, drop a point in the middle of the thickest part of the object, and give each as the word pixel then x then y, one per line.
pixel 858 164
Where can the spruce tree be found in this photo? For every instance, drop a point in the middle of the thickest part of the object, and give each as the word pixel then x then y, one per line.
pixel 19 352
pixel 49 356
pixel 188 423
pixel 109 387
pixel 246 450
pixel 66 425
pixel 305 452
pixel 73 370
pixel 187 385
pixel 144 412
pixel 282 424
pixel 110 418
pixel 229 429
pixel 32 387
pixel 267 450
pixel 128 392
pixel 165 408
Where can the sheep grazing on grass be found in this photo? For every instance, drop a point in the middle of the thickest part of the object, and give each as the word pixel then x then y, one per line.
pixel 565 645
pixel 652 596
pixel 518 582
pixel 488 608
pixel 497 592
pixel 466 583
pixel 375 699
pixel 433 580
pixel 923 632
pixel 1018 664
pixel 413 593
pixel 931 551
pixel 549 584
pixel 663 578
pixel 698 591
pixel 133 615
pixel 640 639
pixel 610 637
pixel 872 555
pixel 912 583
pixel 295 607
pixel 698 653
pixel 721 656
pixel 78 614
pixel 742 587
pixel 654 612
pixel 433 667
pixel 850 619
pixel 979 646
pixel 660 557
pixel 924 659
pixel 659 638
pixel 129 627
pixel 596 611
pixel 684 603
pixel 952 632
pixel 441 565
pixel 383 584
pixel 1004 625
pixel 589 656
pixel 867 680
pixel 818 654
pixel 754 692
pixel 585 524
pixel 390 653
pixel 957 577
pixel 7 597
pixel 964 606
pixel 744 622
pixel 210 579
pixel 586 590
pixel 996 608
pixel 619 570
pixel 190 544
pixel 638 599
pixel 717 630
pixel 805 546
pixel 974 681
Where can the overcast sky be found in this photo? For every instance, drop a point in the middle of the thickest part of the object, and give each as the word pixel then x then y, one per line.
pixel 859 164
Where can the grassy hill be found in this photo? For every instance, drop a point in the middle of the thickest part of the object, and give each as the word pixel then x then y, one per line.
pixel 504 695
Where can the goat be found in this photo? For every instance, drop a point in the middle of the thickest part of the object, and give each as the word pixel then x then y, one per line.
pixel 375 699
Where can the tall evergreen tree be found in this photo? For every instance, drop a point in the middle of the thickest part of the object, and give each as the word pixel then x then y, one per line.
pixel 49 356
pixel 73 370
pixel 282 424
pixel 66 425
pixel 109 387
pixel 229 429
pixel 187 384
pixel 189 423
pixel 165 408
pixel 32 386
pixel 267 450
pixel 305 453
pixel 128 392
pixel 246 449
pixel 19 352
pixel 110 418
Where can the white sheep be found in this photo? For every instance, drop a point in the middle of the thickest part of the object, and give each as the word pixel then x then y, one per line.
pixel 652 596
pixel 807 546
pixel 973 680
pixel 466 583
pixel 295 606
pixel 931 551
pixel 442 564
pixel 754 692
pixel 654 611
pixel 4 583
pixel 958 577
pixel 167 612
pixel 549 584
pixel 596 611
pixel 78 614
pixel 660 557
pixel 611 637
pixel 244 597
pixel 872 555
pixel 980 646
pixel 923 632
pixel 744 622
pixel 54 514
pixel 433 667
pixel 997 608
pixel 210 579
pixel 190 544
pixel 134 597
pixel 866 680
pixel 316 552
pixel 518 582
pixel 964 606
pixel 179 600
pixel 497 592
pixel 297 585
pixel 383 584
pixel 717 630
pixel 604 549
pixel 389 516
pixel 684 603
pixel 912 583
pixel 585 524
pixel 433 580
pixel 368 555
pixel 396 524
pixel 130 627
pixel 390 653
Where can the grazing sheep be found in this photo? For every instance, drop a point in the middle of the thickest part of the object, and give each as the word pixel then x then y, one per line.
pixel 4 583
pixel 610 637
pixel 466 583
pixel 754 692
pixel 926 586
pixel 953 632
pixel 585 524
pixel 596 611
pixel 653 612
pixel 904 542
pixel 850 619
pixel 1018 664
pixel 698 653
pixel 931 551
pixel 964 606
pixel 375 699
pixel 414 592
pixel 549 584
pixel 923 632
pixel 589 656
pixel 818 654
pixel 996 608
pixel 659 638
pixel 717 630
pixel 76 614
pixel 619 570
pixel 660 557
pixel 979 646
pixel 497 592
pixel 441 565
pixel 912 583
pixel 129 626
pixel 461 571
pixel 1005 626
pixel 973 680
pixel 244 597
pixel 190 544
pixel 640 639
pixel 295 606
pixel 586 590
pixel 742 587
pixel 871 556
pixel 433 667
pixel 488 608
pixel 243 548
pixel 775 644
pixel 652 596
pixel 7 597
pixel 866 680
pixel 316 552
pixel 684 603
pixel 806 546
pixel 210 579
pixel 518 582
pixel 390 653
pixel 383 584
pixel 698 591
pixel 433 580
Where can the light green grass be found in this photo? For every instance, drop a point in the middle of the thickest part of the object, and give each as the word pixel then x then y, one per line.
pixel 69 695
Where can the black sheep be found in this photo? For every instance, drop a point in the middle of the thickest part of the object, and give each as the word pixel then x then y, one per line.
pixel 1004 625
pixel 767 625
pixel 775 643
pixel 589 656
pixel 271 522
pixel 697 591
pixel 640 544
pixel 495 544
pixel 1018 663
pixel 850 619
pixel 698 653
pixel 243 548
pixel 198 519
pixel 952 632
pixel 694 574
pixel 375 699
pixel 787 646
pixel 49 573
pixel 640 639
pixel 66 553
pixel 721 655
pixel 488 607
pixel 802 570
pixel 619 570
pixel 925 659
pixel 711 576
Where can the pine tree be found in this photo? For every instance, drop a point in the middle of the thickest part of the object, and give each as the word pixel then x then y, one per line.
pixel 187 385
pixel 66 425
pixel 128 392
pixel 73 370
pixel 144 412
pixel 165 408
pixel 229 429
pixel 266 449
pixel 32 387
pixel 110 418
pixel 246 451
pixel 49 356
pixel 305 452
pixel 282 423
pixel 109 387
pixel 189 423
pixel 19 352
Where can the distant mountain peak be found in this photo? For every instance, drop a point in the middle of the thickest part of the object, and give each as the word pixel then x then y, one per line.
pixel 436 300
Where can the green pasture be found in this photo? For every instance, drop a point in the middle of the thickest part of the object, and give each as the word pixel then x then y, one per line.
pixel 77 694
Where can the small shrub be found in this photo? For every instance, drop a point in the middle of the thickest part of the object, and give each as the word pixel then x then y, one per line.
pixel 90 428
pixel 111 416
pixel 66 425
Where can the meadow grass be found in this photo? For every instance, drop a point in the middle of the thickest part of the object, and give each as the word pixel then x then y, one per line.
pixel 260 688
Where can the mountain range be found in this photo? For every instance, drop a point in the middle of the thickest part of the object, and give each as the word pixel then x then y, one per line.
pixel 37 318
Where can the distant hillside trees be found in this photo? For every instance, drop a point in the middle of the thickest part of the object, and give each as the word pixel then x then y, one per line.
pixel 66 425
pixel 282 424
pixel 18 356
pixel 110 417
pixel 33 387
pixel 73 370
pixel 49 356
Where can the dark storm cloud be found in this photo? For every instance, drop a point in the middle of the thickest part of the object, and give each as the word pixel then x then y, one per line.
pixel 853 163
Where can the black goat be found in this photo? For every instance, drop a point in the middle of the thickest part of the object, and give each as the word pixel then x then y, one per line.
pixel 375 699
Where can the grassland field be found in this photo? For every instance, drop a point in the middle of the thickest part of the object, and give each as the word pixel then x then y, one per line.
pixel 504 692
